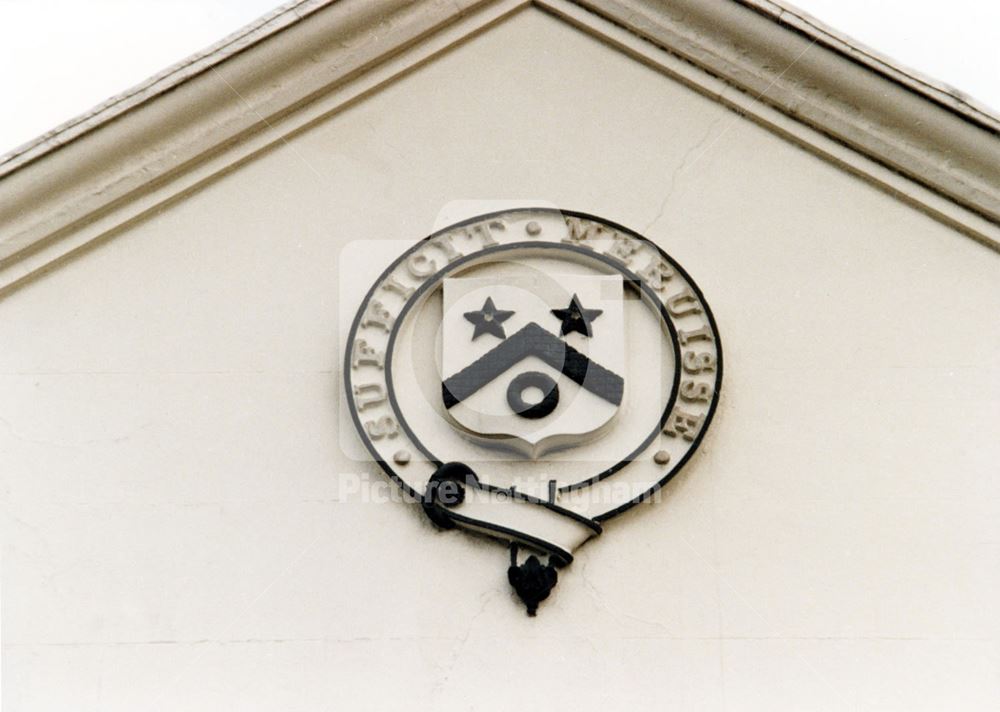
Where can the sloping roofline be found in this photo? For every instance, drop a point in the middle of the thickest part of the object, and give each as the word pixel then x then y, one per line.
pixel 932 89
pixel 291 12
pixel 771 62
pixel 270 24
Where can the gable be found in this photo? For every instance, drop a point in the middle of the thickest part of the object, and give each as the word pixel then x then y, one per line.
pixel 922 143
pixel 173 435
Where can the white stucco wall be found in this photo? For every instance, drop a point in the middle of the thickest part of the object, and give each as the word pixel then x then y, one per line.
pixel 174 536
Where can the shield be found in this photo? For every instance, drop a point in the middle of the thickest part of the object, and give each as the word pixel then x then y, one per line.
pixel 533 362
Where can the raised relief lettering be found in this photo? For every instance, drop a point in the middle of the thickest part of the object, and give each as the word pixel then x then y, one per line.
pixel 364 355
pixel 377 315
pixel 683 304
pixel 391 284
pixel 580 231
pixel 384 427
pixel 702 334
pixel 484 233
pixel 531 293
pixel 368 394
pixel 656 273
pixel 622 248
pixel 696 362
pixel 445 245
pixel 684 425
pixel 420 266
pixel 692 391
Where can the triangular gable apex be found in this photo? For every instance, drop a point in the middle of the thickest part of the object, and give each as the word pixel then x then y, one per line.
pixel 923 141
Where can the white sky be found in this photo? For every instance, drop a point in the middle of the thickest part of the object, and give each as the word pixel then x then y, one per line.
pixel 59 58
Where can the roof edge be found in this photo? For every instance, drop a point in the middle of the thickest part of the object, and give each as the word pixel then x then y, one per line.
pixel 933 89
pixel 784 59
pixel 311 58
pixel 260 29
pixel 784 14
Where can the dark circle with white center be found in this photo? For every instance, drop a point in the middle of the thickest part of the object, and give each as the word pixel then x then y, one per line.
pixel 532 379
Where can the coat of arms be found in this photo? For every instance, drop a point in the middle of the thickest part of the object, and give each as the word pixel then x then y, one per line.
pixel 530 374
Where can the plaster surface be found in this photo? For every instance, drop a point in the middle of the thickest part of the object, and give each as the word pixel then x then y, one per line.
pixel 176 534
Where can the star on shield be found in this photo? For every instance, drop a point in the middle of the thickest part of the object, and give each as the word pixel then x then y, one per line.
pixel 576 318
pixel 530 389
pixel 488 320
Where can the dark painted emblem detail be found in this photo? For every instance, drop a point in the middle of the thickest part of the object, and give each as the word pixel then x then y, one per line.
pixel 488 320
pixel 566 351
pixel 532 379
pixel 576 318
pixel 533 340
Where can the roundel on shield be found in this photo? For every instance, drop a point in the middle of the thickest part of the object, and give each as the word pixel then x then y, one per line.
pixel 534 363
pixel 530 374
